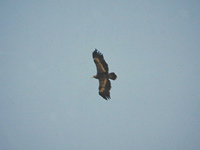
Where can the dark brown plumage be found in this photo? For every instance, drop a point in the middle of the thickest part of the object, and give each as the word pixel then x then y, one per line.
pixel 103 75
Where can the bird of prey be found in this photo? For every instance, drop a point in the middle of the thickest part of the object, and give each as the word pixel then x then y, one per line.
pixel 103 75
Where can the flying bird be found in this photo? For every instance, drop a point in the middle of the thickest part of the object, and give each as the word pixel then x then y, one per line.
pixel 103 75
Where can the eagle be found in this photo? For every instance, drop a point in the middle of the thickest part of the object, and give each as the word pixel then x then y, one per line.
pixel 103 75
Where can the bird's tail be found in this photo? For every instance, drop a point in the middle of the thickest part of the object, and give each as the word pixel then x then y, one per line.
pixel 112 76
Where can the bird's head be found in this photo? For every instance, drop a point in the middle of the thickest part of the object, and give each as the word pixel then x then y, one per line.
pixel 94 77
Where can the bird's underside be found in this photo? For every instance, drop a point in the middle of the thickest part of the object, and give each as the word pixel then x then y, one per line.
pixel 102 75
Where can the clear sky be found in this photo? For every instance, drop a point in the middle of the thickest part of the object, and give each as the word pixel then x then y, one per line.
pixel 48 100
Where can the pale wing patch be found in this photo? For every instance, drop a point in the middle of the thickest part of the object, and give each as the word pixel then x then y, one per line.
pixel 99 64
pixel 101 90
pixel 102 85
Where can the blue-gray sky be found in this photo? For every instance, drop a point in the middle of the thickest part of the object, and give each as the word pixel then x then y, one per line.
pixel 48 99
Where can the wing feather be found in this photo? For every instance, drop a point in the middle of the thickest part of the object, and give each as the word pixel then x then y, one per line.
pixel 102 66
pixel 104 88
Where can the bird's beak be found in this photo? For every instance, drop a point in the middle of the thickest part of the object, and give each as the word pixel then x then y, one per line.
pixel 92 77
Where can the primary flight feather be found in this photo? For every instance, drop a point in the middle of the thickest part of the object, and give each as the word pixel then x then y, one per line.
pixel 103 75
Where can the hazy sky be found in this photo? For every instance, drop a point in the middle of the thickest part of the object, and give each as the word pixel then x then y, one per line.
pixel 48 100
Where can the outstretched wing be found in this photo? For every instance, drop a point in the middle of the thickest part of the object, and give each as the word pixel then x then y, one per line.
pixel 104 88
pixel 102 66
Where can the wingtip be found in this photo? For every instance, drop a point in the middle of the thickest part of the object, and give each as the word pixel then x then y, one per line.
pixel 97 53
pixel 106 97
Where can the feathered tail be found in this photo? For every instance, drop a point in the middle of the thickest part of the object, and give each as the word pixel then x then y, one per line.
pixel 112 76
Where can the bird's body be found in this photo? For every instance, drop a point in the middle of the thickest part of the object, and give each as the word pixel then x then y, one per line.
pixel 102 75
